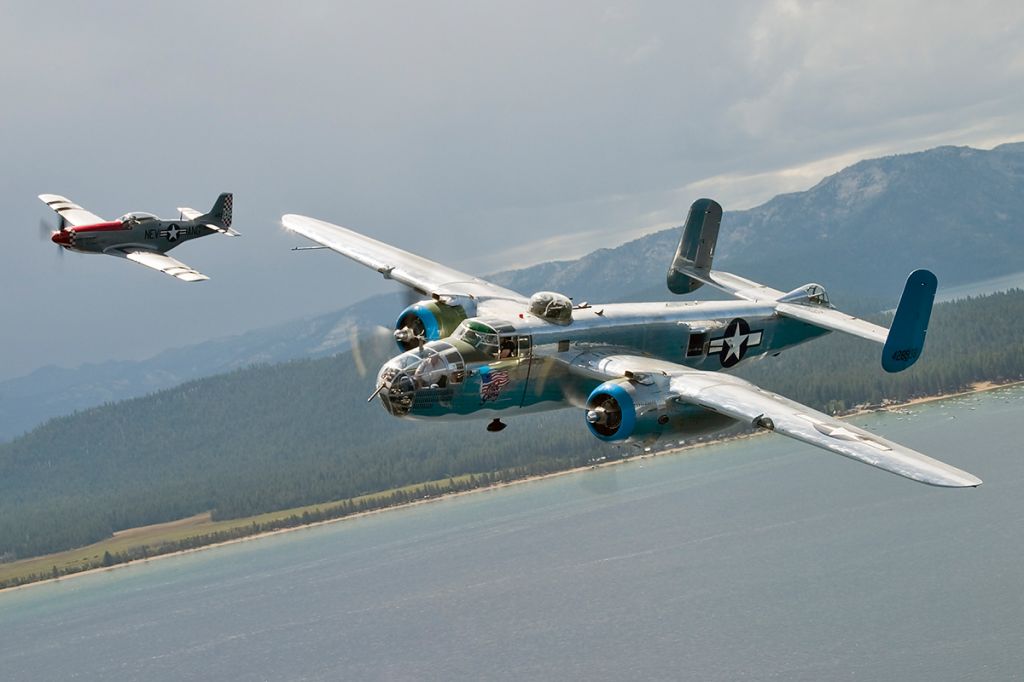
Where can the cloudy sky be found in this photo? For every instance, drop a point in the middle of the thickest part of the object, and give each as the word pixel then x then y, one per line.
pixel 482 134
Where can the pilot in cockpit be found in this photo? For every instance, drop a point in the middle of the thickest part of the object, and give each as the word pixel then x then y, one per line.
pixel 508 349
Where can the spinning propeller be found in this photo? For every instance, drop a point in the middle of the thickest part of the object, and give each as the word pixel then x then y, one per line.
pixel 58 235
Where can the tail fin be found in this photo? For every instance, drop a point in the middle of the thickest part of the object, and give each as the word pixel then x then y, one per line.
pixel 220 214
pixel 696 247
pixel 219 217
pixel 910 325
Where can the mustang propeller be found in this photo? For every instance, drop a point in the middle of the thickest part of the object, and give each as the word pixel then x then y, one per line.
pixel 59 235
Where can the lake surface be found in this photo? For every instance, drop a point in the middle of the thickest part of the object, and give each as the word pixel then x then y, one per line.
pixel 762 559
pixel 980 288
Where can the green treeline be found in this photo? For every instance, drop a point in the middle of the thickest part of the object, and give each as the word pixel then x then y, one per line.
pixel 979 339
pixel 275 437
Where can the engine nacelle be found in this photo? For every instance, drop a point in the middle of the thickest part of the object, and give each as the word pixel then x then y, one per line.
pixel 427 321
pixel 624 411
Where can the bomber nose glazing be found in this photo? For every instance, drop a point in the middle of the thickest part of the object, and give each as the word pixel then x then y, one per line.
pixel 419 376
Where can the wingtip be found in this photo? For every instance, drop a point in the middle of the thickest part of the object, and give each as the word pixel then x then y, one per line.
pixel 960 480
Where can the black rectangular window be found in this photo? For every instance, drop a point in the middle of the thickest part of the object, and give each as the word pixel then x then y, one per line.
pixel 696 345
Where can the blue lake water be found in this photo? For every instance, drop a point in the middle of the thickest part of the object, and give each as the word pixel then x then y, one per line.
pixel 981 288
pixel 762 559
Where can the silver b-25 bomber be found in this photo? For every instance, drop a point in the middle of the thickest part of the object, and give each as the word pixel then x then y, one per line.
pixel 639 371
pixel 139 237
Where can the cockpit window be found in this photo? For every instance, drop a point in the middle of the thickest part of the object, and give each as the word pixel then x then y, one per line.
pixel 137 217
pixel 479 335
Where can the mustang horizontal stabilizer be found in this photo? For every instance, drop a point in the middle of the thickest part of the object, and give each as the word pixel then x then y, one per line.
pixel 741 400
pixel 163 263
pixel 219 218
pixel 417 272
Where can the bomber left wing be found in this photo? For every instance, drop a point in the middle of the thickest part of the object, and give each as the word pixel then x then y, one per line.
pixel 162 262
pixel 740 400
pixel 417 272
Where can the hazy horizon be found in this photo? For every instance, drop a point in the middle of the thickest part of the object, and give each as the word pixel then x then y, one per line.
pixel 484 136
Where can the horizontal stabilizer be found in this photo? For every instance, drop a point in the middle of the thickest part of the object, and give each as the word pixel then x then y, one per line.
pixel 910 325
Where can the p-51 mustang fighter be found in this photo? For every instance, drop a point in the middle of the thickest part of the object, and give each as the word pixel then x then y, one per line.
pixel 138 236
pixel 639 370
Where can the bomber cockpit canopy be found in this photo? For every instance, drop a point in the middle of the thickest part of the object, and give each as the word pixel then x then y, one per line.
pixel 137 217
pixel 488 337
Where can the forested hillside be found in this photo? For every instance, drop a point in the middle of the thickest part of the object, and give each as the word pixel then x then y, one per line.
pixel 956 210
pixel 279 436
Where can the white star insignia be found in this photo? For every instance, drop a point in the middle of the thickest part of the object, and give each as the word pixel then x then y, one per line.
pixel 735 343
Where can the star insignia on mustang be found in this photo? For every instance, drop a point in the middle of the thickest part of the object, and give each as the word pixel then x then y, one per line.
pixel 172 233
pixel 735 342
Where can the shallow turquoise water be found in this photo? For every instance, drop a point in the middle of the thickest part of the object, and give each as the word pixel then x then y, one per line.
pixel 763 559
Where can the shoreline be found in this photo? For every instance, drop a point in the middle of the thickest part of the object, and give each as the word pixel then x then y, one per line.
pixel 976 388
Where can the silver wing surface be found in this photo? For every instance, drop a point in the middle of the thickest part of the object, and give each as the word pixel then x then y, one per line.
pixel 73 214
pixel 826 318
pixel 421 274
pixel 745 402
pixel 162 262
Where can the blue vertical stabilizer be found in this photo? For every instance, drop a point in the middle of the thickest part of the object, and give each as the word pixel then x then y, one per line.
pixel 910 325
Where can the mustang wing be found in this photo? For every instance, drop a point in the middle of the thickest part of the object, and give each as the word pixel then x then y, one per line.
pixel 421 274
pixel 161 262
pixel 73 214
pixel 733 397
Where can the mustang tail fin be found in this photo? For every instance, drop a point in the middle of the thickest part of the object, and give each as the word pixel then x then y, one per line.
pixel 905 342
pixel 219 217
pixel 696 247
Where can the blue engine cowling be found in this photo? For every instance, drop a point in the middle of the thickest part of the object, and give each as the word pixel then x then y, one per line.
pixel 623 411
pixel 427 321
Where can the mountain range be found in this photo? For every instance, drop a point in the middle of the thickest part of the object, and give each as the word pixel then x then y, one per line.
pixel 956 210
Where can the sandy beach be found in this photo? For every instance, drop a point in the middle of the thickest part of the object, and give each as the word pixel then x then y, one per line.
pixel 979 387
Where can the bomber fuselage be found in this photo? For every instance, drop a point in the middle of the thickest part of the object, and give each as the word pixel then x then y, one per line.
pixel 519 361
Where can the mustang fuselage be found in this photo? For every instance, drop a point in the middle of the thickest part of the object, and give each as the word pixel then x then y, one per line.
pixel 133 230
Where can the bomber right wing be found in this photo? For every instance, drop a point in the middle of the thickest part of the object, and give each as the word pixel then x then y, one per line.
pixel 162 262
pixel 741 400
pixel 417 272
pixel 72 214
